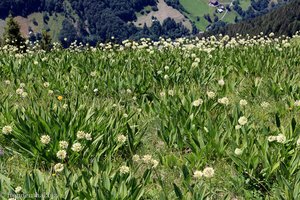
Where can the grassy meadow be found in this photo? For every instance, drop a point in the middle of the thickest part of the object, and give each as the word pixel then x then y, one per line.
pixel 214 118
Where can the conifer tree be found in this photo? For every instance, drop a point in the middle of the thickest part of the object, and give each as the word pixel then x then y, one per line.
pixel 46 41
pixel 12 34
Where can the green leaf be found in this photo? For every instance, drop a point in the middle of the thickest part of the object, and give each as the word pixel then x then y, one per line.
pixel 177 191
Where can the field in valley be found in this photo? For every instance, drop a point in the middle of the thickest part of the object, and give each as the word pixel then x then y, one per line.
pixel 186 119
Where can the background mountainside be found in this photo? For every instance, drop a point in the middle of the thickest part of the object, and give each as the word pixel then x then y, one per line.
pixel 284 20
pixel 93 20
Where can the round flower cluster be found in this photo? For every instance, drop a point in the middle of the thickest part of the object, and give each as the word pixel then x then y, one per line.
pixel 207 172
pixel 58 167
pixel 45 139
pixel 197 102
pixel 243 120
pixel 146 159
pixel 82 135
pixel 279 138
pixel 224 101
pixel 76 147
pixel 7 130
pixel 124 169
pixel 121 138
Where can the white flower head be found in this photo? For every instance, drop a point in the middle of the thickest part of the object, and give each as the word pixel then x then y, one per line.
pixel 58 167
pixel 136 158
pixel 121 138
pixel 50 92
pixel 80 134
pixel 210 94
pixel 19 91
pixel 154 163
pixel 46 84
pixel 272 138
pixel 18 189
pixel 208 172
pixel 197 174
pixel 281 138
pixel 124 169
pixel 298 142
pixel 243 102
pixel 7 130
pixel 147 158
pixel 88 136
pixel 265 104
pixel 237 127
pixel 63 144
pixel 197 102
pixel 238 151
pixel 45 139
pixel 76 147
pixel 7 82
pixel 224 101
pixel 24 94
pixel 61 154
pixel 243 120
pixel 221 82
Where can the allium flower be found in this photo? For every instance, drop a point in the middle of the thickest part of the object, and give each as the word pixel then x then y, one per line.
pixel 124 169
pixel 166 77
pixel 50 92
pixel 198 174
pixel 171 92
pixel 45 139
pixel 88 136
pixel 7 82
pixel 80 134
pixel 208 172
pixel 94 73
pixel 281 138
pixel 238 151
pixel 61 154
pixel 237 127
pixel 298 142
pixel 272 138
pixel 221 82
pixel 46 84
pixel 6 130
pixel 147 159
pixel 96 90
pixel 58 167
pixel 22 85
pixel 224 101
pixel 154 163
pixel 136 158
pixel 121 138
pixel 210 94
pixel 297 103
pixel 264 104
pixel 197 102
pixel 243 120
pixel 24 94
pixel 19 91
pixel 63 144
pixel 162 94
pixel 76 147
pixel 18 189
pixel 243 102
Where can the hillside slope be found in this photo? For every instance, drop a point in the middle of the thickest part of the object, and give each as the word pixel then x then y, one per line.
pixel 284 20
